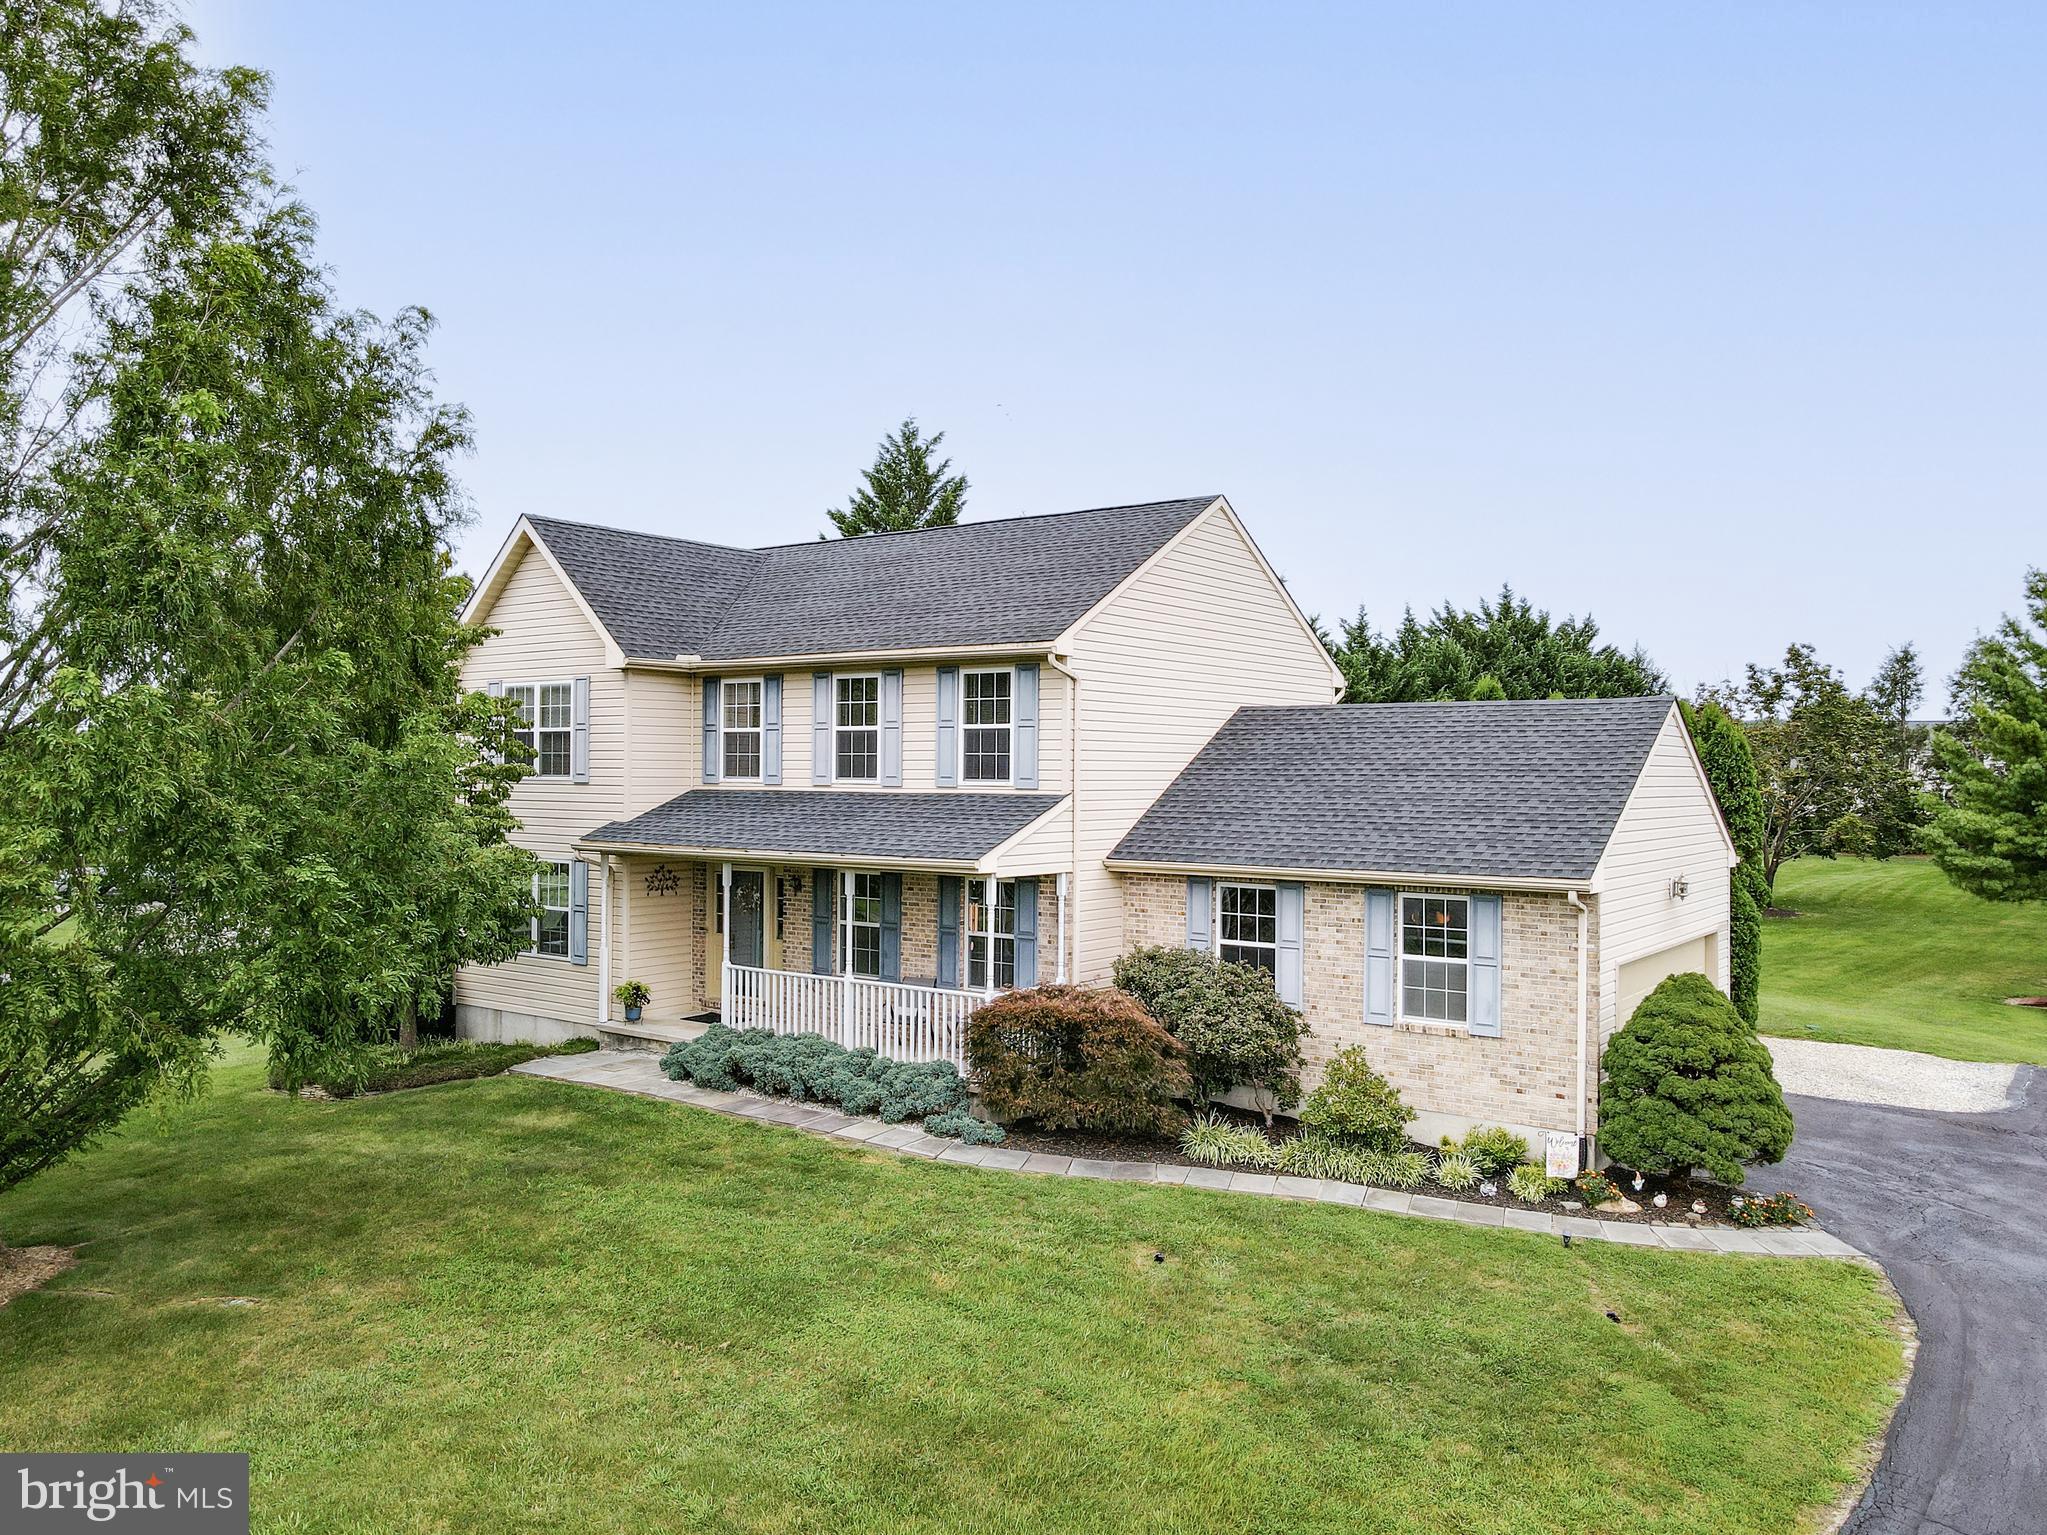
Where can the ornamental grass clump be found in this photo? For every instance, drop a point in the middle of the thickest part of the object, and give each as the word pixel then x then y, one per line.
pixel 1078 1058
pixel 1217 1142
pixel 1531 1185
pixel 1456 1171
pixel 1688 1084
pixel 1395 1169
pixel 1496 1151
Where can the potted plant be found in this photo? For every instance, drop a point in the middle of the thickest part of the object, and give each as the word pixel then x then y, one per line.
pixel 632 996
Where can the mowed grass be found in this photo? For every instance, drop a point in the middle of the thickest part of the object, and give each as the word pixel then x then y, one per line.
pixel 512 1305
pixel 1889 953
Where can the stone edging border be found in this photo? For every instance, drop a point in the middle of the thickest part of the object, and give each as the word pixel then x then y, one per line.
pixel 639 1073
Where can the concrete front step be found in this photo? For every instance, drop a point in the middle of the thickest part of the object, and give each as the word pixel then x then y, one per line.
pixel 617 1034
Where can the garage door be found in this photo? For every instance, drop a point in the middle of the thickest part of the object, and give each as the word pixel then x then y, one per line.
pixel 1639 976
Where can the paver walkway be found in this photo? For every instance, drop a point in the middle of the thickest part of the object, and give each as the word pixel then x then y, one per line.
pixel 640 1072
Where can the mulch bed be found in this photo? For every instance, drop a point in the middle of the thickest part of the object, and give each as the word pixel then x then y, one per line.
pixel 23 1269
pixel 1138 1148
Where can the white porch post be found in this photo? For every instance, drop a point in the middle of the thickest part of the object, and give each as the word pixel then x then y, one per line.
pixel 842 928
pixel 1062 929
pixel 725 943
pixel 988 908
pixel 604 938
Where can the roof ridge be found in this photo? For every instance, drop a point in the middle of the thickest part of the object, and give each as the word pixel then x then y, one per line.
pixel 666 538
pixel 983 522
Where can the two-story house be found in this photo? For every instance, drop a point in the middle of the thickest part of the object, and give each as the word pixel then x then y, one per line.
pixel 859 786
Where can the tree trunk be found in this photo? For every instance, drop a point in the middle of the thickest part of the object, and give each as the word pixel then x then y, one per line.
pixel 408 1025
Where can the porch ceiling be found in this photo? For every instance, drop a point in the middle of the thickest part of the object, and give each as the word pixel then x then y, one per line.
pixel 951 830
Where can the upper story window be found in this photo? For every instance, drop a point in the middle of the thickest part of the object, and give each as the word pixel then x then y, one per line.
pixel 856 729
pixel 546 717
pixel 862 943
pixel 985 699
pixel 1247 926
pixel 991 935
pixel 1435 945
pixel 551 895
pixel 739 734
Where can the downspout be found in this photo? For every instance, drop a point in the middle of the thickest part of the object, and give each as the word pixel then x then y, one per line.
pixel 1072 808
pixel 1583 913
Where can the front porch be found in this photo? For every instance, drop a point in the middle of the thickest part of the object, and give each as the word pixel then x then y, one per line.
pixel 888 953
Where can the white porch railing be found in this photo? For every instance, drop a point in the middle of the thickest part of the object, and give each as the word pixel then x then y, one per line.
pixel 904 1023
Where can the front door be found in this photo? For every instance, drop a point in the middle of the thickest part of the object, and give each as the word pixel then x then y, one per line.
pixel 745 917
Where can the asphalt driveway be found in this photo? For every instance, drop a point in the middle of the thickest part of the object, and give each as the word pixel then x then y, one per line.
pixel 1955 1207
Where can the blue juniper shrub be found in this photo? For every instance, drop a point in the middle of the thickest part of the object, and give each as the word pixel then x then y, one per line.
pixel 809 1066
pixel 958 1124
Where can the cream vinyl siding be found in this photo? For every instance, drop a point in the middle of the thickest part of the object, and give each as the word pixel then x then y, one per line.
pixel 1200 631
pixel 651 937
pixel 546 638
pixel 665 726
pixel 1046 844
pixel 1669 827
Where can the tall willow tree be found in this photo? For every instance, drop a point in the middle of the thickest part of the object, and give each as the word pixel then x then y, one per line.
pixel 245 790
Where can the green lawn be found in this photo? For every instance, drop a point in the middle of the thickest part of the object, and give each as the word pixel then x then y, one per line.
pixel 1892 954
pixel 520 1305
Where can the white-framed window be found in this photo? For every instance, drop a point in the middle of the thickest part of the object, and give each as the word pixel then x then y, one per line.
pixel 860 942
pixel 1435 957
pixel 739 727
pixel 547 714
pixel 856 728
pixel 1247 926
pixel 985 709
pixel 991 935
pixel 551 895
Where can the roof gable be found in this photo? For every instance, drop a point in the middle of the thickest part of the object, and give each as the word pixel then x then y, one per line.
pixel 1501 791
pixel 1019 581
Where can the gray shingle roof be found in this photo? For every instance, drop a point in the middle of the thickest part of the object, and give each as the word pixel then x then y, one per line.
pixel 1014 581
pixel 835 823
pixel 1485 790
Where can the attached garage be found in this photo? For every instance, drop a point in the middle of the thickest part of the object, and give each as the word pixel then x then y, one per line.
pixel 1639 976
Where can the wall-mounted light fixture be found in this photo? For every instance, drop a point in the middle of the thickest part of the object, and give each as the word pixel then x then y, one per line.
pixel 1680 888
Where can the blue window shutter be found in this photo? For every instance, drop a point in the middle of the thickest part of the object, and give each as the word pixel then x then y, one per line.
pixel 891 927
pixel 1026 933
pixel 948 726
pixel 712 694
pixel 949 930
pixel 1379 957
pixel 1483 1014
pixel 771 728
pixel 892 727
pixel 1200 915
pixel 579 733
pixel 824 885
pixel 1292 903
pixel 821 727
pixel 1023 751
pixel 579 912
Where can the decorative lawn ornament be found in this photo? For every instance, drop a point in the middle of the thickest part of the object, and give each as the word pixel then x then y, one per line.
pixel 1660 1201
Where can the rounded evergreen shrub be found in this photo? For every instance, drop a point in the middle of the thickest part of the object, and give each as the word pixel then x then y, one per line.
pixel 1688 1084
pixel 1236 1030
pixel 1075 1058
pixel 1355 1101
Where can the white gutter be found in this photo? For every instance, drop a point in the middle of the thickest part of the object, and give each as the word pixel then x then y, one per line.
pixel 1072 812
pixel 1572 896
pixel 788 660
pixel 751 856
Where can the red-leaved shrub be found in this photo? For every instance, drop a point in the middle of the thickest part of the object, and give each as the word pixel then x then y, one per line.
pixel 1075 1058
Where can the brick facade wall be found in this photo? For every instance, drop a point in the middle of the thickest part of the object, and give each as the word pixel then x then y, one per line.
pixel 1525 1078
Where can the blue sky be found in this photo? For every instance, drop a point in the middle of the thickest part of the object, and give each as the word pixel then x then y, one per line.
pixel 1727 324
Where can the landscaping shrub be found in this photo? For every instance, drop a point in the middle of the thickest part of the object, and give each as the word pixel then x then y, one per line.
pixel 1073 1058
pixel 910 1090
pixel 1688 1084
pixel 1495 1151
pixel 1395 1169
pixel 1355 1101
pixel 853 1080
pixel 1455 1170
pixel 1236 1030
pixel 1724 753
pixel 386 1068
pixel 958 1124
pixel 1531 1185
pixel 1217 1142
pixel 1744 952
pixel 1313 1155
pixel 711 1059
pixel 1780 1209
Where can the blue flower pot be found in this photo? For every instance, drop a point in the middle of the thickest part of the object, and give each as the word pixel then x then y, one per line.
pixel 632 1015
